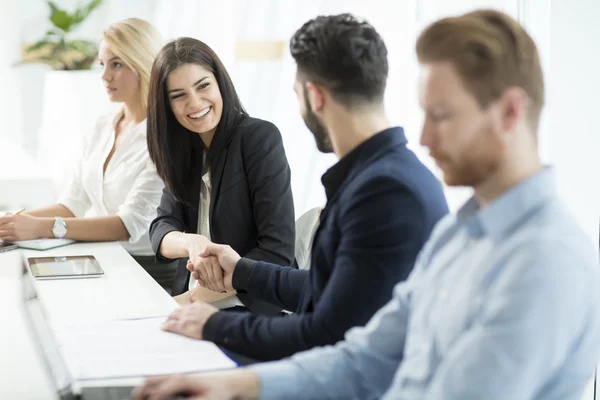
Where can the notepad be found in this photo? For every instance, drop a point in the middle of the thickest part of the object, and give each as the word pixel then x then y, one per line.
pixel 134 348
pixel 43 244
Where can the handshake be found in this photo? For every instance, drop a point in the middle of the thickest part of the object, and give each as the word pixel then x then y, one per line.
pixel 213 267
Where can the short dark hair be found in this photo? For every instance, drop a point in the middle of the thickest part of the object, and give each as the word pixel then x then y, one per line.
pixel 171 146
pixel 345 55
pixel 490 51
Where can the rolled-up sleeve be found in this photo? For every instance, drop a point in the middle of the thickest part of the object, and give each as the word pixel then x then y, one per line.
pixel 139 208
pixel 75 199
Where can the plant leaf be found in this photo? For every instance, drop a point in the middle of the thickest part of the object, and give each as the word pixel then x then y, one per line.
pixel 39 45
pixel 82 45
pixel 62 20
pixel 83 12
pixel 53 7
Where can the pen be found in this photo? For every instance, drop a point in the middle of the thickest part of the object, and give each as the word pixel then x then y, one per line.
pixel 19 211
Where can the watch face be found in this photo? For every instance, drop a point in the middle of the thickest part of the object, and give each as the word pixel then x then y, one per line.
pixel 59 230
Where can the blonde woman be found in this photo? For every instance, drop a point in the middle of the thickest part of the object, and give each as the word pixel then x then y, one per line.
pixel 115 190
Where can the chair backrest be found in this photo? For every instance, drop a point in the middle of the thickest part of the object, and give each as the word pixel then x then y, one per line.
pixel 306 226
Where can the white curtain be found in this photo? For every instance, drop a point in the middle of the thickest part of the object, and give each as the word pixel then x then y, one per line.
pixel 10 109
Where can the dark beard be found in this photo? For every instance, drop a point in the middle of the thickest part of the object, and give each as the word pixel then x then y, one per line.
pixel 317 128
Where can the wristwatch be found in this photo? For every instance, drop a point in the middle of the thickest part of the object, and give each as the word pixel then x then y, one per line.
pixel 59 230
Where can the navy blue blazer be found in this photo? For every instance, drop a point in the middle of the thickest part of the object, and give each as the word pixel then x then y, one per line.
pixel 382 204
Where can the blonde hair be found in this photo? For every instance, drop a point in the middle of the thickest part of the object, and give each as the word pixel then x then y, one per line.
pixel 491 51
pixel 136 42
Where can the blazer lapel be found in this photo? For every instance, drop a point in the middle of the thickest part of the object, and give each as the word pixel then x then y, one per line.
pixel 195 182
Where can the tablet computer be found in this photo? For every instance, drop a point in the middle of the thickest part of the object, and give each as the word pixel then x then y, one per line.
pixel 67 267
pixel 7 246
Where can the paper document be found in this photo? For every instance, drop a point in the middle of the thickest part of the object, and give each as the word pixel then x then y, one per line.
pixel 133 348
pixel 43 244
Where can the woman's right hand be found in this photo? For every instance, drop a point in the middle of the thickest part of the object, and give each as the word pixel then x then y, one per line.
pixel 15 227
pixel 196 245
pixel 181 245
pixel 212 276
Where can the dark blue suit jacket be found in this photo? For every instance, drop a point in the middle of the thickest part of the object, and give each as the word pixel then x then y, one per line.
pixel 382 205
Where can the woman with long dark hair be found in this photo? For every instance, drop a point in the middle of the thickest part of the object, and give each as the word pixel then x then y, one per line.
pixel 226 174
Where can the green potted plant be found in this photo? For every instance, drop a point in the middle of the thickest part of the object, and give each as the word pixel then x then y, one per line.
pixel 56 48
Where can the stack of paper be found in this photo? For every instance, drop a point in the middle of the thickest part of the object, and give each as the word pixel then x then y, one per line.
pixel 43 244
pixel 134 348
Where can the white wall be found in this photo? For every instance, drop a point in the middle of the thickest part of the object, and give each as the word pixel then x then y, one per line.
pixel 10 110
pixel 573 141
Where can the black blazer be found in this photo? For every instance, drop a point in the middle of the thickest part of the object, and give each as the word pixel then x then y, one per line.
pixel 251 204
pixel 382 204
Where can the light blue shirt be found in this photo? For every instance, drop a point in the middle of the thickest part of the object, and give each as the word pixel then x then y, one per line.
pixel 503 303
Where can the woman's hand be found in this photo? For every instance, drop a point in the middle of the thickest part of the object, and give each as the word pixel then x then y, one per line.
pixel 216 271
pixel 195 246
pixel 208 271
pixel 15 227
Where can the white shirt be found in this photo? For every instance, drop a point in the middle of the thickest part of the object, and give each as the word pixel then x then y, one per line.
pixel 204 229
pixel 130 187
pixel 203 220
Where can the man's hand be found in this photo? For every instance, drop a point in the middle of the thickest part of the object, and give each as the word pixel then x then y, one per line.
pixel 200 293
pixel 21 227
pixel 189 320
pixel 227 259
pixel 218 386
pixel 208 272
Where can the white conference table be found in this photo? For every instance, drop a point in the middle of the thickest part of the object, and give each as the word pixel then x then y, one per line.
pixel 125 291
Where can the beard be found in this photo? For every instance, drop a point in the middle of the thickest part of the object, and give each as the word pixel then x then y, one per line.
pixel 317 128
pixel 479 160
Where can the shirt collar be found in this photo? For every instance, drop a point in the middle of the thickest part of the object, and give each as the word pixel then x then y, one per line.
pixel 117 117
pixel 336 175
pixel 511 207
pixel 139 128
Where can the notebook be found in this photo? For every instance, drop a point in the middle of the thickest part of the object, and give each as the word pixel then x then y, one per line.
pixel 43 244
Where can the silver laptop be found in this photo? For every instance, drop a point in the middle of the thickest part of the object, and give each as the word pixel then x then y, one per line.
pixel 46 345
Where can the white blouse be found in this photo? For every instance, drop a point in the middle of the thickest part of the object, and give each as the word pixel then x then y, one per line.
pixel 130 188
pixel 203 220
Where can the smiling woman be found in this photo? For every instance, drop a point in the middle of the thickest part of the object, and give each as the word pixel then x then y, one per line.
pixel 226 174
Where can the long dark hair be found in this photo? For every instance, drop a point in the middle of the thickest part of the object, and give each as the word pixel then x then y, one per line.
pixel 171 146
